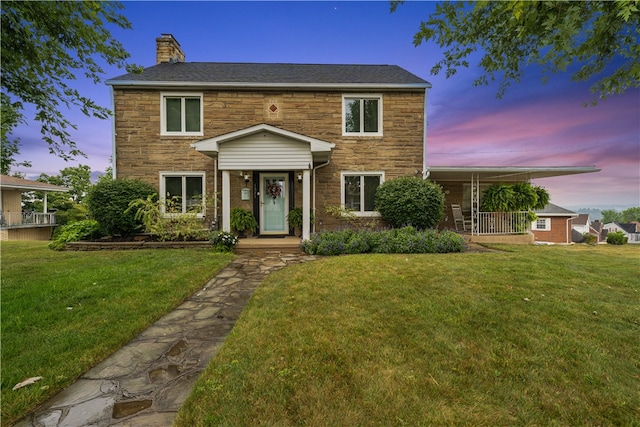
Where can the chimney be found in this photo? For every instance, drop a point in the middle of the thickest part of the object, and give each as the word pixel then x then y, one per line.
pixel 168 49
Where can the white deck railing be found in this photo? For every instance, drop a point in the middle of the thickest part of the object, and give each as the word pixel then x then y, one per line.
pixel 502 223
pixel 26 219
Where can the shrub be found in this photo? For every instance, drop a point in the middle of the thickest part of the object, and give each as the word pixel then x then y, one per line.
pixel 399 240
pixel 589 239
pixel 410 201
pixel 109 199
pixel 222 241
pixel 79 230
pixel 617 238
pixel 172 228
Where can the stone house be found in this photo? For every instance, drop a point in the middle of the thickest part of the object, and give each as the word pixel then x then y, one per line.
pixel 267 137
pixel 272 137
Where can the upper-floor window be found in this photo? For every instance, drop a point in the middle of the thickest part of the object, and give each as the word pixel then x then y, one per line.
pixel 181 114
pixel 359 191
pixel 182 192
pixel 362 115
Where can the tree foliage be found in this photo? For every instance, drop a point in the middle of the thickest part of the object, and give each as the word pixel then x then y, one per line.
pixel 627 215
pixel 45 46
pixel 595 35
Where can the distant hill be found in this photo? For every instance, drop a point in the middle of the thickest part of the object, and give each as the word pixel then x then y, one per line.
pixel 594 214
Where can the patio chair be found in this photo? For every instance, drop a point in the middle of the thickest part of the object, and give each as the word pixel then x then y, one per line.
pixel 459 218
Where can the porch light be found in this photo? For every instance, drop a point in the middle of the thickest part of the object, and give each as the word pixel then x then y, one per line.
pixel 246 178
pixel 299 177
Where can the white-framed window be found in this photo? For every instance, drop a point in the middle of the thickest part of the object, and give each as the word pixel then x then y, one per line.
pixel 181 113
pixel 541 224
pixel 183 192
pixel 358 191
pixel 362 115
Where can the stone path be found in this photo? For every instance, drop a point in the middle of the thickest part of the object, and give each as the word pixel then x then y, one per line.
pixel 146 382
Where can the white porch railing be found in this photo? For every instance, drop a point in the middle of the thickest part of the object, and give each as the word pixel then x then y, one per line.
pixel 502 223
pixel 26 219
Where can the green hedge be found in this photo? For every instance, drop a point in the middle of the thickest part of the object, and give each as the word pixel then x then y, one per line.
pixel 404 240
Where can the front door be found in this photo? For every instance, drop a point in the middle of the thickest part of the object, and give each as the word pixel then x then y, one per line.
pixel 274 203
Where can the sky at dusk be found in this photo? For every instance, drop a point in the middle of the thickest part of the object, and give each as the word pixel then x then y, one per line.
pixel 535 124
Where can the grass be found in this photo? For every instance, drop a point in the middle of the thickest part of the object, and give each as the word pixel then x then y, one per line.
pixel 538 335
pixel 62 312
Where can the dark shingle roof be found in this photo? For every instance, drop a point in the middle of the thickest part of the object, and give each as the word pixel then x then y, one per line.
pixel 256 74
pixel 556 210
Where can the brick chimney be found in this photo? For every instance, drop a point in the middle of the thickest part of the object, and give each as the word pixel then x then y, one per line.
pixel 168 49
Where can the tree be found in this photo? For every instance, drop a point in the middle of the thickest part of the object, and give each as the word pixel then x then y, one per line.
pixel 77 179
pixel 46 45
pixel 610 215
pixel 410 200
pixel 631 214
pixel 511 35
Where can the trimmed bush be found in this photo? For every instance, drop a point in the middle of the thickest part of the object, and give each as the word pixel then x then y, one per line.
pixel 109 199
pixel 589 239
pixel 411 201
pixel 79 230
pixel 404 240
pixel 617 238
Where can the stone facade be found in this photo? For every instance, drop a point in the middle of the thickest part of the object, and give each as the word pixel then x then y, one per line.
pixel 141 152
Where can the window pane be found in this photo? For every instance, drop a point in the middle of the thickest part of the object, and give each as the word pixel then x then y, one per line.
pixel 173 187
pixel 352 115
pixel 371 184
pixel 352 192
pixel 192 110
pixel 371 115
pixel 173 114
pixel 194 194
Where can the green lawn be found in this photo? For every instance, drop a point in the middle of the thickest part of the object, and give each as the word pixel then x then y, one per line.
pixel 62 312
pixel 538 335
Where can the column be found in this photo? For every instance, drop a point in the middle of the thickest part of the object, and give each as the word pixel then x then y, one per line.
pixel 226 201
pixel 306 204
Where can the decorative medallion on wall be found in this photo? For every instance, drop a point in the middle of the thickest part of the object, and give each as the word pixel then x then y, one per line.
pixel 272 109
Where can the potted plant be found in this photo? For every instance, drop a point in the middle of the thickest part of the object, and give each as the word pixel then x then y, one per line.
pixel 295 218
pixel 241 220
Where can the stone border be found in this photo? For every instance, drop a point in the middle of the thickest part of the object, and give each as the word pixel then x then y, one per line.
pixel 118 246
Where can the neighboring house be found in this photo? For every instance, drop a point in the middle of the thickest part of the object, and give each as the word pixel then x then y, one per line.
pixel 273 137
pixel 631 230
pixel 553 224
pixel 18 225
pixel 582 224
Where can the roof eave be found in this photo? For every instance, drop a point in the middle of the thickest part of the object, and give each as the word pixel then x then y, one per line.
pixel 259 85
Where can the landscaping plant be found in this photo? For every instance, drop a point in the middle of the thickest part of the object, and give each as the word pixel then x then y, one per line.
pixel 243 219
pixel 411 201
pixel 73 232
pixel 295 218
pixel 109 199
pixel 617 238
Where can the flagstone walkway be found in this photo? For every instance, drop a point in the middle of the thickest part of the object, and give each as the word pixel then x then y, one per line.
pixel 146 382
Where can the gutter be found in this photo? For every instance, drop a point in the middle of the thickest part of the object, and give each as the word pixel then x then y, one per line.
pixel 425 171
pixel 264 85
pixel 113 133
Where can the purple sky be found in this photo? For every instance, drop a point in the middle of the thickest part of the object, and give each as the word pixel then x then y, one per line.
pixel 535 124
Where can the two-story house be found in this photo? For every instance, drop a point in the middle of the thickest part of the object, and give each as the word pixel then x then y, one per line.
pixel 268 137
pixel 272 137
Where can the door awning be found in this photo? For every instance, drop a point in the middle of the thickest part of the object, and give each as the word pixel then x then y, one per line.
pixel 265 147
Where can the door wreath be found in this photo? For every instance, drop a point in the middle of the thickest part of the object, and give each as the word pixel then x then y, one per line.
pixel 274 189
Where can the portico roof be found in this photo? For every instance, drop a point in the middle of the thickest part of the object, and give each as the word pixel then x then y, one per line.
pixel 283 145
pixel 15 183
pixel 503 173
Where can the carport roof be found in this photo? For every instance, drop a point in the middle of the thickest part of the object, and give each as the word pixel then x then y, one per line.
pixel 503 173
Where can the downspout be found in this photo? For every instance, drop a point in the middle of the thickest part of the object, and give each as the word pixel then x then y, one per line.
pixel 215 193
pixel 314 189
pixel 569 228
pixel 425 172
pixel 113 133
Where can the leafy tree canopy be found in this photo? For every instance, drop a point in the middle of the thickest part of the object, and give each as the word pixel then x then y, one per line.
pixel 511 35
pixel 627 215
pixel 45 46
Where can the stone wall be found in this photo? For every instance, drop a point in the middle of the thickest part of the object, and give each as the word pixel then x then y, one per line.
pixel 141 152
